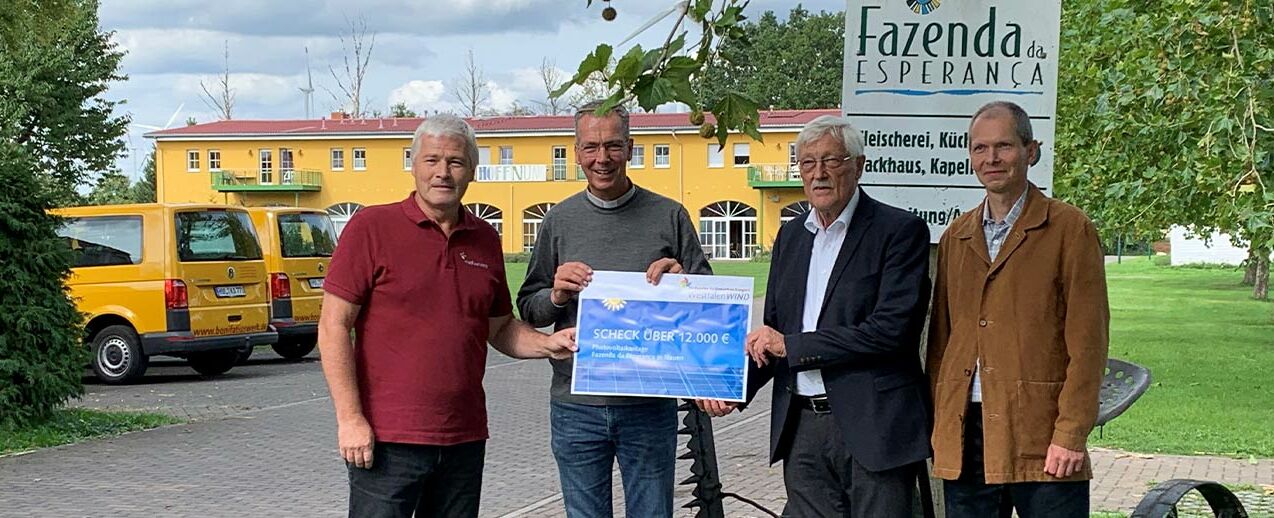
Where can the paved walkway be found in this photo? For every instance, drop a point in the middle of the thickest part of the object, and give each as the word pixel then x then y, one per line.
pixel 262 443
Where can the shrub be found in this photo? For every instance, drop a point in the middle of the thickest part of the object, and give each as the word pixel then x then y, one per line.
pixel 41 352
pixel 520 257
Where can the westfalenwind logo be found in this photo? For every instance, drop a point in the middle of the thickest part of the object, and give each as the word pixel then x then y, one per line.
pixel 465 257
pixel 923 6
pixel 684 283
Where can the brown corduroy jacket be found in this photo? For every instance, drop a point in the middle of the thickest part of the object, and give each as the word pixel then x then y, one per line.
pixel 1038 318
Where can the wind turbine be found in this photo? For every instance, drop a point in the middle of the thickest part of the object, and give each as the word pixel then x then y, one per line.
pixel 681 6
pixel 308 90
pixel 132 148
pixel 167 124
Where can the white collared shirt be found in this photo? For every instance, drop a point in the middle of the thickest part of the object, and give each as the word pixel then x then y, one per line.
pixel 827 245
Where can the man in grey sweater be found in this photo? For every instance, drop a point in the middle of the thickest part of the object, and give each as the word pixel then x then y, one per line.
pixel 612 225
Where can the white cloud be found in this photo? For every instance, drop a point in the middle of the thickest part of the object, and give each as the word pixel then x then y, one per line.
pixel 421 96
pixel 151 51
pixel 502 98
pixel 329 17
pixel 262 89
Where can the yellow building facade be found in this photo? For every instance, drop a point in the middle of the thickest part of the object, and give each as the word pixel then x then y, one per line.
pixel 737 194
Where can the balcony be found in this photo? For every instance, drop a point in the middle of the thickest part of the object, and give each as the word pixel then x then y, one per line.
pixel 768 176
pixel 298 180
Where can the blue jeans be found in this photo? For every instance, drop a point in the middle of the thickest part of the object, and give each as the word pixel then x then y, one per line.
pixel 588 439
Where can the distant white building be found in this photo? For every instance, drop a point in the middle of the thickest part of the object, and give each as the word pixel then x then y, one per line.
pixel 1193 250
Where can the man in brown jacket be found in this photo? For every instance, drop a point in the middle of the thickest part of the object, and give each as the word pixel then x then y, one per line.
pixel 1018 338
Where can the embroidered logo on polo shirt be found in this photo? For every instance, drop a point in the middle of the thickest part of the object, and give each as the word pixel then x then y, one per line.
pixel 465 257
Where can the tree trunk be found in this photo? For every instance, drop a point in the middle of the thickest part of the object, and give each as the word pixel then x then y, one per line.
pixel 1249 273
pixel 1261 289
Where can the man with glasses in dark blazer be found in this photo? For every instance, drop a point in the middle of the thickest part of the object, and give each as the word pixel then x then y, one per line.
pixel 844 309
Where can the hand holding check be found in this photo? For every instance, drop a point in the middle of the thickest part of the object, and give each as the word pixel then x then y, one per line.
pixel 762 341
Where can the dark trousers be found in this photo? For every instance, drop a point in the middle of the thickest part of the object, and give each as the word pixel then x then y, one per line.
pixel 824 480
pixel 444 481
pixel 971 497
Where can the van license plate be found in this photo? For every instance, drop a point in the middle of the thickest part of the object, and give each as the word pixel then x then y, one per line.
pixel 316 283
pixel 229 291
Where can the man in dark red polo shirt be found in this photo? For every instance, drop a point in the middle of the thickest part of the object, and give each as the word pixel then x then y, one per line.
pixel 421 283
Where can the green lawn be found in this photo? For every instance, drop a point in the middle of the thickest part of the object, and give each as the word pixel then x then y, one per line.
pixel 1210 350
pixel 758 271
pixel 74 425
pixel 1208 345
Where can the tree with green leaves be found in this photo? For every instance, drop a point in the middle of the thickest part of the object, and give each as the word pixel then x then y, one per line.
pixel 666 73
pixel 41 352
pixel 1165 118
pixel 113 188
pixel 55 131
pixel 400 109
pixel 796 63
pixel 143 191
pixel 59 63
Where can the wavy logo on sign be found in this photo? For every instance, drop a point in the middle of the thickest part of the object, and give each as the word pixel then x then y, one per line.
pixel 923 6
pixel 614 304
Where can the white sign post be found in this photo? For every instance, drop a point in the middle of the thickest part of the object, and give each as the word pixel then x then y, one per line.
pixel 917 70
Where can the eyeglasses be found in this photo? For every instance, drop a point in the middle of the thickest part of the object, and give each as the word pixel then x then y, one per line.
pixel 609 148
pixel 830 163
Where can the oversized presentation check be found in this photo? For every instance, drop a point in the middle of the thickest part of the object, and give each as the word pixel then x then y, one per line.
pixel 680 339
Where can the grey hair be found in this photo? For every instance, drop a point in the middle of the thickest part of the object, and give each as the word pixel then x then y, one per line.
pixel 590 108
pixel 840 127
pixel 448 125
pixel 1021 121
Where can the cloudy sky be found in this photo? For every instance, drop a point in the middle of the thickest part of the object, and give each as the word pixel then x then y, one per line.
pixel 419 52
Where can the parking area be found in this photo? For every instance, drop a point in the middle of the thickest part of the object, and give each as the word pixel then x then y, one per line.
pixel 260 441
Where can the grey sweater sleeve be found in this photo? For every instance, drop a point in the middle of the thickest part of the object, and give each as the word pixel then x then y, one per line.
pixel 689 251
pixel 534 304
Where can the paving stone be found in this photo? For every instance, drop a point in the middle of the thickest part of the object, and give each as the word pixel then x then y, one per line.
pixel 260 441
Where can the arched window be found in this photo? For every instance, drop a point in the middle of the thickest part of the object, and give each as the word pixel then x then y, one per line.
pixel 341 213
pixel 727 230
pixel 793 211
pixel 532 218
pixel 490 214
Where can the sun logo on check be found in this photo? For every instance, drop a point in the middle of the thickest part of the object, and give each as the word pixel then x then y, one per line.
pixel 614 304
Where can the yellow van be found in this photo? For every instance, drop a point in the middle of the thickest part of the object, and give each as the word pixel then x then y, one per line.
pixel 167 279
pixel 298 244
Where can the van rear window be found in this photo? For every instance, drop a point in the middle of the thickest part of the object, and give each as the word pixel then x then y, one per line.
pixel 103 240
pixel 216 235
pixel 306 235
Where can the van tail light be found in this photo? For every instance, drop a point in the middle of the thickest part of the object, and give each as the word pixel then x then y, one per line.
pixel 280 288
pixel 175 296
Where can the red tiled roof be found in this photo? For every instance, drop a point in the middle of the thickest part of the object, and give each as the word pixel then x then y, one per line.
pixel 483 125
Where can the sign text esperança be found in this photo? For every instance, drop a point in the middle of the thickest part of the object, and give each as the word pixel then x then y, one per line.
pixel 909 39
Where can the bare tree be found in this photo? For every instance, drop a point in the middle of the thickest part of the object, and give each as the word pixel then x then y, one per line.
pixel 470 89
pixel 552 78
pixel 357 47
pixel 597 86
pixel 220 97
pixel 518 110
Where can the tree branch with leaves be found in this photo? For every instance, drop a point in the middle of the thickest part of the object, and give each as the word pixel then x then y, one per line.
pixel 665 74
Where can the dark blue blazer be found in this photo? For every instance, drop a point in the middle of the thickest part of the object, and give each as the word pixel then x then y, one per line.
pixel 868 338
